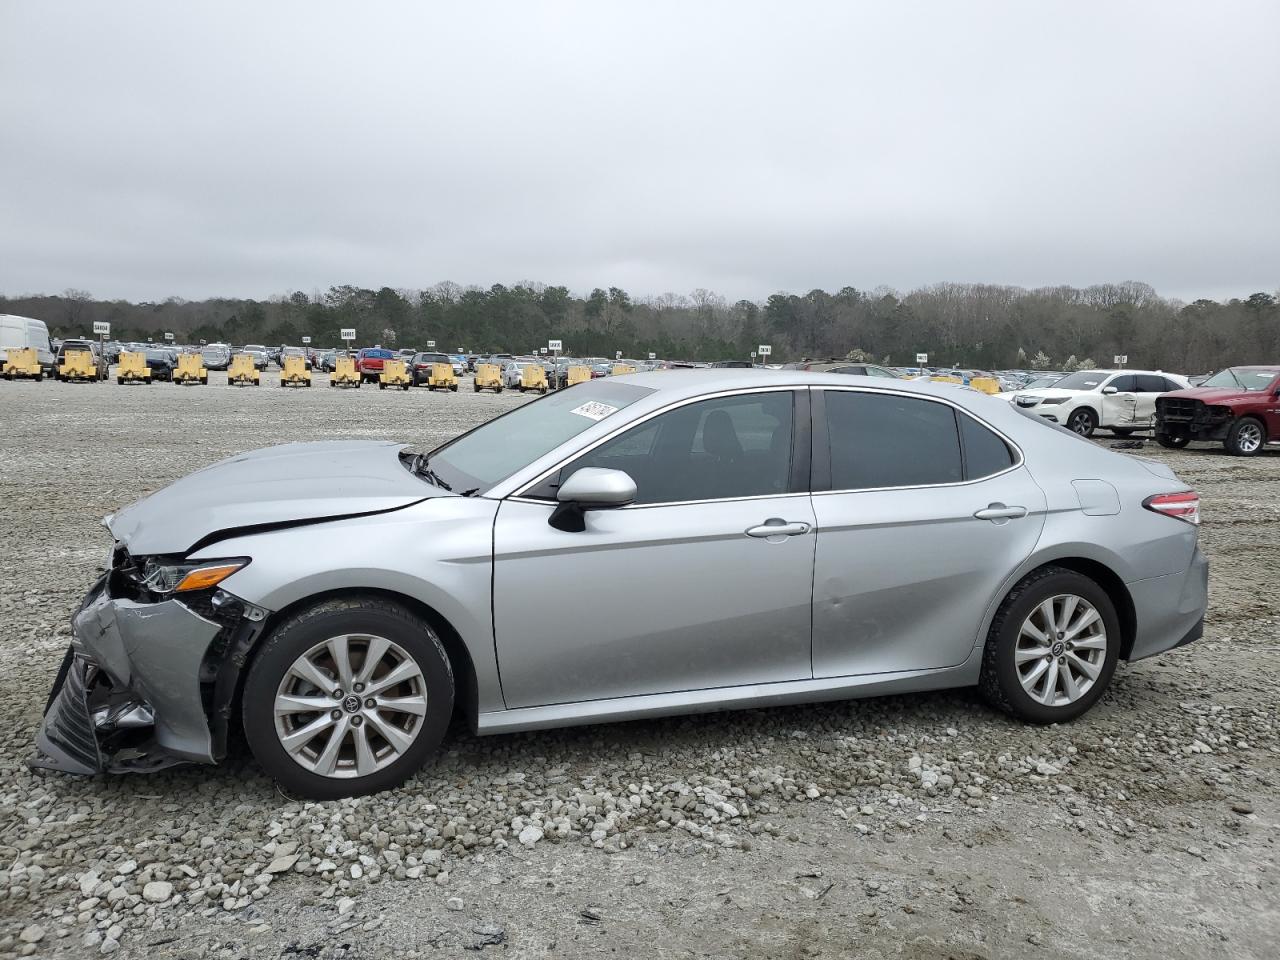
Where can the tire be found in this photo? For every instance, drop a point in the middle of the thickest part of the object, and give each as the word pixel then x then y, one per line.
pixel 1245 438
pixel 475 387
pixel 1082 421
pixel 204 381
pixel 311 628
pixel 405 388
pixel 1171 442
pixel 454 388
pixel 120 380
pixel 497 389
pixel 381 385
pixel 1000 681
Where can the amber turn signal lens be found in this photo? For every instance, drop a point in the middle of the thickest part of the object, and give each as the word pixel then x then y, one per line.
pixel 206 577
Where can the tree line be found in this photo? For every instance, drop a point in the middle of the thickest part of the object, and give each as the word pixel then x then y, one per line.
pixel 970 325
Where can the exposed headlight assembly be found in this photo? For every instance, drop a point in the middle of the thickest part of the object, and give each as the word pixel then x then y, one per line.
pixel 167 578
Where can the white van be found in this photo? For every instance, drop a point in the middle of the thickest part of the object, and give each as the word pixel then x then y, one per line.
pixel 18 332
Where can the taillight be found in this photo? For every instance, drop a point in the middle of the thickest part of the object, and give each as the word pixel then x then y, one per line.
pixel 1181 506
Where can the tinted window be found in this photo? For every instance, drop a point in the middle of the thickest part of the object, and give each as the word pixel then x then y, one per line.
pixel 727 447
pixel 1125 383
pixel 1150 383
pixel 984 452
pixel 883 440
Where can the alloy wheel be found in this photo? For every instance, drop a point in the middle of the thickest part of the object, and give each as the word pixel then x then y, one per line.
pixel 1081 422
pixel 1248 436
pixel 350 706
pixel 1061 650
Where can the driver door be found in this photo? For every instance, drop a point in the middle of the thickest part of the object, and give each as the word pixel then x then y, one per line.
pixel 1120 409
pixel 685 589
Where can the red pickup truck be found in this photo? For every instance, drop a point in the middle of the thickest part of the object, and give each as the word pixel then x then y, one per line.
pixel 1239 406
pixel 369 362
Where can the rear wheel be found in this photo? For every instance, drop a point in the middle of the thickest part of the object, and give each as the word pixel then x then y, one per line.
pixel 1172 442
pixel 1052 647
pixel 348 697
pixel 1083 421
pixel 1245 437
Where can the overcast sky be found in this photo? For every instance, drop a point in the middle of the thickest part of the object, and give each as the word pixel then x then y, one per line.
pixel 199 149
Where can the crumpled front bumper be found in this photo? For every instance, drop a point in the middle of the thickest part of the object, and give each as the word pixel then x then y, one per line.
pixel 130 694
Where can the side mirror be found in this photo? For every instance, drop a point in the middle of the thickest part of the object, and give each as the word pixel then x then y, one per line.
pixel 590 488
pixel 1110 391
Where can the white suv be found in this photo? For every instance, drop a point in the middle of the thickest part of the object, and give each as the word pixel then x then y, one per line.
pixel 1121 401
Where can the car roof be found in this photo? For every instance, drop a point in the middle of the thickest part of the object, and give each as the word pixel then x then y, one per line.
pixel 697 381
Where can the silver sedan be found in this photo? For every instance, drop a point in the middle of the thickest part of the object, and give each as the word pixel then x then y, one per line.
pixel 789 536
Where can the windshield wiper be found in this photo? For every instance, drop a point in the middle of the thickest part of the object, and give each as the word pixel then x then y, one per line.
pixel 421 467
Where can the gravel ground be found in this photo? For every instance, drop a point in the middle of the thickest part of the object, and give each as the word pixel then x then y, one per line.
pixel 916 826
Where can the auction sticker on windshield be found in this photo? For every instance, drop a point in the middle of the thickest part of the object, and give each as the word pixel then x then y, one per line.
pixel 594 410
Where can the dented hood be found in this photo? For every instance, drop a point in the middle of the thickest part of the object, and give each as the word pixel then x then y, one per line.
pixel 294 483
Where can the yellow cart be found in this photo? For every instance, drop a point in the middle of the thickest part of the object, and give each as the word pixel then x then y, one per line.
pixel 442 377
pixel 988 385
pixel 577 374
pixel 394 374
pixel 620 369
pixel 133 368
pixel 344 373
pixel 242 372
pixel 78 365
pixel 294 373
pixel 488 377
pixel 190 369
pixel 23 363
pixel 533 377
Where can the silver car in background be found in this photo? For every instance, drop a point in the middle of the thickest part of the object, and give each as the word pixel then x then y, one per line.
pixel 790 537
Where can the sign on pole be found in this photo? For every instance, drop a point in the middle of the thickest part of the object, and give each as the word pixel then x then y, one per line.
pixel 1121 359
pixel 348 333
pixel 544 351
pixel 764 349
pixel 617 355
pixel 102 328
pixel 168 337
pixel 555 346
pixel 652 355
pixel 460 350
pixel 431 344
pixel 306 339
pixel 922 359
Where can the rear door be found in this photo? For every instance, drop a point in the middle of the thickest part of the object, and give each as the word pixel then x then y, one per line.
pixel 922 512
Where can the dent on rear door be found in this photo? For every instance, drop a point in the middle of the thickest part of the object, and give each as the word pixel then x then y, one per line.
pixel 904 578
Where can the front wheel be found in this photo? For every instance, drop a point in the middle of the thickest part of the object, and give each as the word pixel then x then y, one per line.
pixel 1052 647
pixel 348 697
pixel 1083 422
pixel 1245 437
pixel 1171 442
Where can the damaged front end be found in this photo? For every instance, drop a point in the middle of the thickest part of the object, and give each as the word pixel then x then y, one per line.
pixel 152 671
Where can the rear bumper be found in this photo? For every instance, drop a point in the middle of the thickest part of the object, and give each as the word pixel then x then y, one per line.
pixel 138 687
pixel 1170 610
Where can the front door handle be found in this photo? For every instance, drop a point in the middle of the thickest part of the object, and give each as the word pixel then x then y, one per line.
pixel 998 511
pixel 777 527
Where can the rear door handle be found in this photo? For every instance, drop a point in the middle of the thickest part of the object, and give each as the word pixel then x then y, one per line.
pixel 998 511
pixel 777 527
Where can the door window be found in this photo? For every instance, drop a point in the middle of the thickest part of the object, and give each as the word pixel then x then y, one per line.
pixel 1150 383
pixel 728 447
pixel 888 440
pixel 1125 383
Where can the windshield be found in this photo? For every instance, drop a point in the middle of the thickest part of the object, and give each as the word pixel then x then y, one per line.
pixel 1082 380
pixel 1042 382
pixel 495 450
pixel 1243 378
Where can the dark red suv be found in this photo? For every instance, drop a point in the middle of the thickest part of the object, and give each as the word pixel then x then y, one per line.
pixel 1239 406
